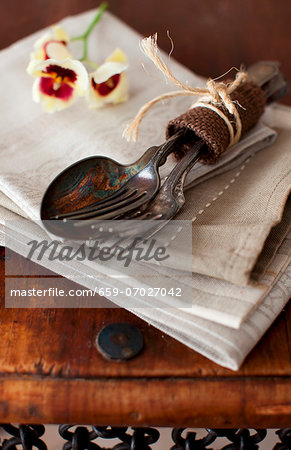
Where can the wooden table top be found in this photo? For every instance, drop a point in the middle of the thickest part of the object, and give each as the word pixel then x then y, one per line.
pixel 51 371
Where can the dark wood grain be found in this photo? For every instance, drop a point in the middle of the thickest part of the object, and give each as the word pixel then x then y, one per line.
pixel 197 402
pixel 50 370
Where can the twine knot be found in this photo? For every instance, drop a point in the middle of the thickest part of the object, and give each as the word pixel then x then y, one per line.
pixel 216 90
pixel 215 95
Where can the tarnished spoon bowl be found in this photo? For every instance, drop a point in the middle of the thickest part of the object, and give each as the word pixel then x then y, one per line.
pixel 82 185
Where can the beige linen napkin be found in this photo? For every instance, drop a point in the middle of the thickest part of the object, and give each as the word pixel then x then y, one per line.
pixel 220 343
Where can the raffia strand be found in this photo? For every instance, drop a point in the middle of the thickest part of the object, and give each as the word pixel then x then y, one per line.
pixel 215 95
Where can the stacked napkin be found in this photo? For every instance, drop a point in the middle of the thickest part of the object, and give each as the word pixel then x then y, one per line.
pixel 238 208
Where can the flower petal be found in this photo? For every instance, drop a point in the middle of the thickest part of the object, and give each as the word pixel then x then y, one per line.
pixel 117 56
pixel 36 69
pixel 58 35
pixel 107 70
pixel 63 92
pixel 51 104
pixel 109 83
pixel 58 83
pixel 97 98
pixel 57 50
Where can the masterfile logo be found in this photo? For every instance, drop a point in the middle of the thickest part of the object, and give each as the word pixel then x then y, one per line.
pixel 138 250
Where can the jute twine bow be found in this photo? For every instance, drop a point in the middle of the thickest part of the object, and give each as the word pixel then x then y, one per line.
pixel 215 94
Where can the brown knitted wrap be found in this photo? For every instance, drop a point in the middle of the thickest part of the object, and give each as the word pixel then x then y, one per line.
pixel 209 126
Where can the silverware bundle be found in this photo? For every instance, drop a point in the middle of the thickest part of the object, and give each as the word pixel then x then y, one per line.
pixel 82 201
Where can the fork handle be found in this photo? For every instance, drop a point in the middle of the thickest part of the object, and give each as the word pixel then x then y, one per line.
pixel 165 149
pixel 178 174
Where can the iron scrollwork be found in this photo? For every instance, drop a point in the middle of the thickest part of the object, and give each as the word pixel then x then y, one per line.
pixel 28 436
pixel 80 437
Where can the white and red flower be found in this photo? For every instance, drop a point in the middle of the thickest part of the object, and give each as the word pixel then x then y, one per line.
pixel 58 83
pixel 61 79
pixel 45 47
pixel 109 83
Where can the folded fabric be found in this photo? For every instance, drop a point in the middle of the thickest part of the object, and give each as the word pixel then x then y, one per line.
pixel 212 299
pixel 224 345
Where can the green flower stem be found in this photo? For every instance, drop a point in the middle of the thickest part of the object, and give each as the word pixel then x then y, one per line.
pixel 98 16
pixel 84 36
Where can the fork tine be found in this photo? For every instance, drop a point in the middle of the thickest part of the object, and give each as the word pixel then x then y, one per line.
pixel 113 213
pixel 127 237
pixel 124 230
pixel 111 200
pixel 149 216
pixel 131 241
pixel 140 229
pixel 109 211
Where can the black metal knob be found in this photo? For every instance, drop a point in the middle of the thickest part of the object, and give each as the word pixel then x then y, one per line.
pixel 120 341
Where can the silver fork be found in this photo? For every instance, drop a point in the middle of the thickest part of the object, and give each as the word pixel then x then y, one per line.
pixel 139 188
pixel 166 204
